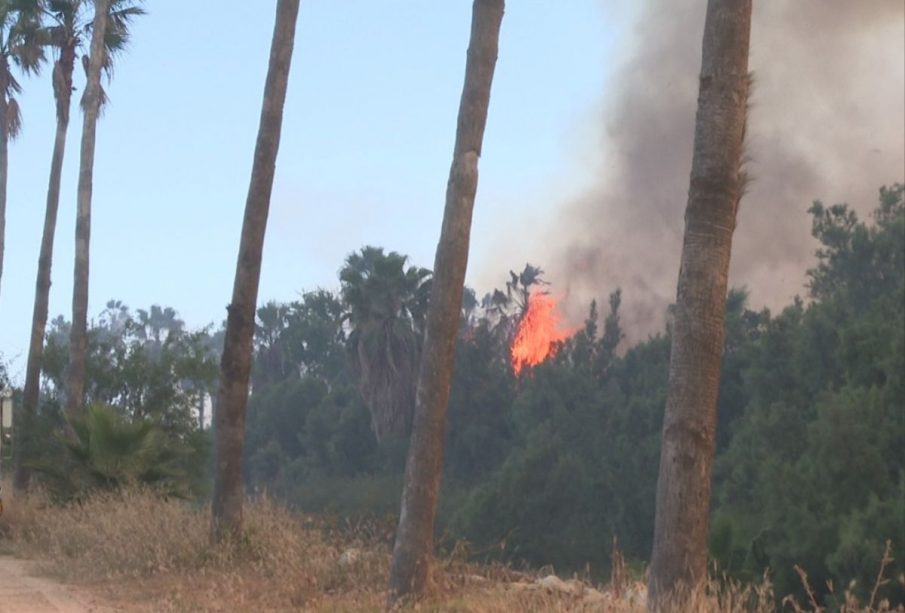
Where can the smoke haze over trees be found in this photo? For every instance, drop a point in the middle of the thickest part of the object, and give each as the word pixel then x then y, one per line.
pixel 835 134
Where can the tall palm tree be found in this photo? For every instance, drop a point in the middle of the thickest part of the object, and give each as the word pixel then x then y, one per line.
pixel 109 31
pixel 235 363
pixel 19 23
pixel 386 307
pixel 679 560
pixel 271 355
pixel 413 550
pixel 158 324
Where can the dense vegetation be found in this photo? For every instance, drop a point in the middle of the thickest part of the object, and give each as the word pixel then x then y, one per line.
pixel 551 466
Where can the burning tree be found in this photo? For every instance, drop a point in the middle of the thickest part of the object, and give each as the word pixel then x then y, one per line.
pixel 539 330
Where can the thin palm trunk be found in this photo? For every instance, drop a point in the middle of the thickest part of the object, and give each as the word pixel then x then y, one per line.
pixel 63 95
pixel 235 364
pixel 78 338
pixel 679 559
pixel 4 159
pixel 413 550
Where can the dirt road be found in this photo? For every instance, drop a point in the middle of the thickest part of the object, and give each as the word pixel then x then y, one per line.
pixel 23 592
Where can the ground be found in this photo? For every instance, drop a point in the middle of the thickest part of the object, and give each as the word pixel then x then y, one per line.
pixel 22 591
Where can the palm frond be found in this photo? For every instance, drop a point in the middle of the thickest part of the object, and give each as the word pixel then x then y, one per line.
pixel 28 56
pixel 12 86
pixel 116 36
pixel 62 6
pixel 13 119
pixel 74 25
pixel 26 7
pixel 106 450
pixel 102 93
pixel 20 23
pixel 123 16
pixel 51 36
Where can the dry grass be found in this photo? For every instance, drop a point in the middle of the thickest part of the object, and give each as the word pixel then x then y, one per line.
pixel 141 553
pixel 850 602
pixel 283 561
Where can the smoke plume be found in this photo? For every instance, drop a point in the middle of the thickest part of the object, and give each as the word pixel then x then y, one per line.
pixel 826 122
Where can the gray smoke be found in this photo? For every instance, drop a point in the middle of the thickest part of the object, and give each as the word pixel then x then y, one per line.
pixel 826 122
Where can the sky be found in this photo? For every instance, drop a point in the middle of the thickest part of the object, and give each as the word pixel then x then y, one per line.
pixel 366 146
pixel 584 168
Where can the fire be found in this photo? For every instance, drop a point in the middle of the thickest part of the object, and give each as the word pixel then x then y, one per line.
pixel 538 332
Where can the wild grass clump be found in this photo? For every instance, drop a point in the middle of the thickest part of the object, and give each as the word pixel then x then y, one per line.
pixel 848 601
pixel 130 533
pixel 282 559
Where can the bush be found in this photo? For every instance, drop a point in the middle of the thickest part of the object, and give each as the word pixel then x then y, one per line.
pixel 102 450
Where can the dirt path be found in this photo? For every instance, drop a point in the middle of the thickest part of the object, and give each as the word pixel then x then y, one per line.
pixel 23 592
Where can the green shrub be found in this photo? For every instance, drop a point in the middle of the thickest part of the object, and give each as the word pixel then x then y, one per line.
pixel 103 450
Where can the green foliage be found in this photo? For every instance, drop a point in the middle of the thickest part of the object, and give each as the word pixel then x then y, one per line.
pixel 813 473
pixel 305 336
pixel 581 462
pixel 479 429
pixel 146 365
pixel 548 467
pixel 387 306
pixel 102 450
pixel 70 22
pixel 150 380
pixel 20 46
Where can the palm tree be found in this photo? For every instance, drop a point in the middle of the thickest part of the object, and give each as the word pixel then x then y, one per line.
pixel 199 368
pixel 386 307
pixel 107 451
pixel 19 23
pixel 109 30
pixel 413 550
pixel 271 355
pixel 235 364
pixel 158 325
pixel 505 310
pixel 679 560
pixel 520 286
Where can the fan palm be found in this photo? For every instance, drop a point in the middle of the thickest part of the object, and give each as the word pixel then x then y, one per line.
pixel 19 23
pixel 386 305
pixel 68 26
pixel 159 324
pixel 271 359
pixel 104 450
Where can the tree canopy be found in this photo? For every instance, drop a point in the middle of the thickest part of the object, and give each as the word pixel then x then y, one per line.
pixel 549 466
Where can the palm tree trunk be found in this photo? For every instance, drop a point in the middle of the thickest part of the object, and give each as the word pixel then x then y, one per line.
pixel 235 364
pixel 78 337
pixel 4 166
pixel 42 299
pixel 679 560
pixel 413 550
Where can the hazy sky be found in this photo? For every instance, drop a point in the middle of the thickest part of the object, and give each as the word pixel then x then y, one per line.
pixel 584 168
pixel 367 142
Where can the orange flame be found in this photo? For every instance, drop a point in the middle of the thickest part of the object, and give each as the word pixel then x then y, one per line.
pixel 537 333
